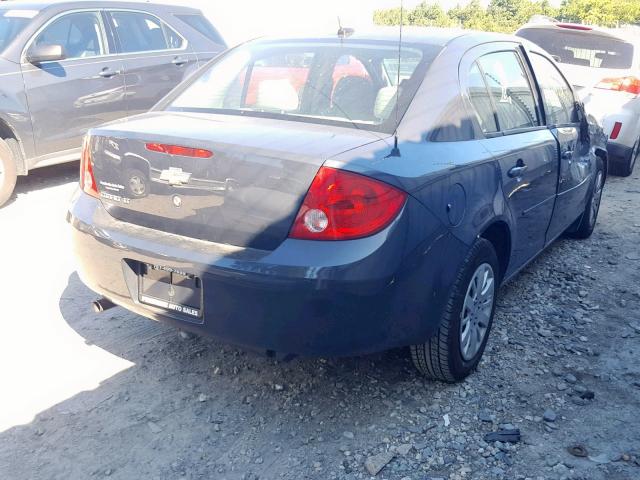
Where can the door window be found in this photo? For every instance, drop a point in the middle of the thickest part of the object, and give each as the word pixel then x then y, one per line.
pixel 510 90
pixel 479 97
pixel 141 32
pixel 80 34
pixel 559 103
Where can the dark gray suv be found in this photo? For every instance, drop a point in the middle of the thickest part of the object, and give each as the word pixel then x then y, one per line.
pixel 68 66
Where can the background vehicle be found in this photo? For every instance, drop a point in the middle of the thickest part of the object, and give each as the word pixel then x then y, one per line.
pixel 604 67
pixel 321 219
pixel 68 66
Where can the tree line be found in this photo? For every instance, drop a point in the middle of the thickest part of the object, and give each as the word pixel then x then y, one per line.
pixel 508 15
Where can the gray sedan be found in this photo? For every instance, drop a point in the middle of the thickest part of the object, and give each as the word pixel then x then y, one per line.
pixel 68 66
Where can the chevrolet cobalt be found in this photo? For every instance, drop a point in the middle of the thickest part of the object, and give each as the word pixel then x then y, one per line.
pixel 341 195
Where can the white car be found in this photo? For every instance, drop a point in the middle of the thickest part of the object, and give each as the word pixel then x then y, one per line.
pixel 604 67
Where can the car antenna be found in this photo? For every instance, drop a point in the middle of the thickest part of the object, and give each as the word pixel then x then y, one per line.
pixel 395 151
pixel 344 32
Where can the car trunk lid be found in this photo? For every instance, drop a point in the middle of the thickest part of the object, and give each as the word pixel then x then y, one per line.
pixel 245 193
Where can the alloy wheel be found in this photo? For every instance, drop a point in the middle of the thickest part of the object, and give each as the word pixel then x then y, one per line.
pixel 476 311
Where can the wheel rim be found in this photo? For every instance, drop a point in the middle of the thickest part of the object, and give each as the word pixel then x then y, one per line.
pixel 137 185
pixel 597 197
pixel 476 311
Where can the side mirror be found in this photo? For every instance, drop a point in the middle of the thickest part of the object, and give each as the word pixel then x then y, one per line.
pixel 45 53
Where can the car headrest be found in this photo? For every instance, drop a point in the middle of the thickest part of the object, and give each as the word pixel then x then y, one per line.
pixel 354 97
pixel 385 102
pixel 277 95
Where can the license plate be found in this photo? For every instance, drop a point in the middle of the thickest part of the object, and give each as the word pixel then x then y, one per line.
pixel 170 289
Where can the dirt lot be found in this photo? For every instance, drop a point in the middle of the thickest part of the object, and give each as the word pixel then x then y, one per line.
pixel 116 395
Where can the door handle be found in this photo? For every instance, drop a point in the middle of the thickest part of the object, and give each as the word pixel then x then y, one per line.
pixel 567 155
pixel 178 62
pixel 518 170
pixel 108 73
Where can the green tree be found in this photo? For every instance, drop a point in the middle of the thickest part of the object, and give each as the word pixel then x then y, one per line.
pixel 607 13
pixel 390 16
pixel 472 16
pixel 429 14
pixel 508 15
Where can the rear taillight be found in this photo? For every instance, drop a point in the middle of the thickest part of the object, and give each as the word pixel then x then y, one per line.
pixel 179 150
pixel 342 205
pixel 622 84
pixel 87 179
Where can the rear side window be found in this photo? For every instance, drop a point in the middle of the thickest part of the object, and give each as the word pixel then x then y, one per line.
pixel 559 103
pixel 479 97
pixel 141 32
pixel 510 90
pixel 584 48
pixel 202 25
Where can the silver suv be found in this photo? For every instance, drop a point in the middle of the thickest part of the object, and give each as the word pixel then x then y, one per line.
pixel 68 66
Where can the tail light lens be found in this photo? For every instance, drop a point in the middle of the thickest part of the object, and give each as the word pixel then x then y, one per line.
pixel 87 179
pixel 622 84
pixel 343 206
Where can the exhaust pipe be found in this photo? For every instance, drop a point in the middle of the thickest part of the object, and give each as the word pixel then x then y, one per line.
pixel 102 304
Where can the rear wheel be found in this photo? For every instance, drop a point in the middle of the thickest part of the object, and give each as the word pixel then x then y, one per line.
pixel 455 350
pixel 590 214
pixel 7 173
pixel 625 168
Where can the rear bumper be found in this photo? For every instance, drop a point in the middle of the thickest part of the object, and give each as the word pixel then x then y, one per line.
pixel 304 298
pixel 609 108
pixel 619 153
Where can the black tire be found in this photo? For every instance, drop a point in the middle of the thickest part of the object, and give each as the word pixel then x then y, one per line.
pixel 8 175
pixel 625 168
pixel 441 357
pixel 587 221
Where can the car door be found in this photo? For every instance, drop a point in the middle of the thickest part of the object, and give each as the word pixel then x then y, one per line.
pixel 575 159
pixel 84 90
pixel 500 90
pixel 156 58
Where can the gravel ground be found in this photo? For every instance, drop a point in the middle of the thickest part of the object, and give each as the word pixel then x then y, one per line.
pixel 116 395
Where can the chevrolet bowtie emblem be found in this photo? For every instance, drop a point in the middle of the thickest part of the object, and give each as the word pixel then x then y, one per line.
pixel 175 176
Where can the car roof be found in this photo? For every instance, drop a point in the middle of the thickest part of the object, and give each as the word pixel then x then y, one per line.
pixel 415 35
pixel 622 33
pixel 61 4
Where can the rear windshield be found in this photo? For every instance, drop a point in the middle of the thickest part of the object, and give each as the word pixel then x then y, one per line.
pixel 353 84
pixel 582 48
pixel 202 25
pixel 12 21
